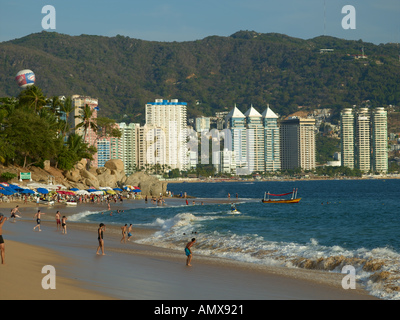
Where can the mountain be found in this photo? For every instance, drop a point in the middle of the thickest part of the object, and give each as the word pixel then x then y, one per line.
pixel 211 74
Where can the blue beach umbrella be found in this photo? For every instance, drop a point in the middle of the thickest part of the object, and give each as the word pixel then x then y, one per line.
pixel 8 189
pixel 15 187
pixel 42 190
pixel 6 192
pixel 118 189
pixel 74 189
pixel 28 191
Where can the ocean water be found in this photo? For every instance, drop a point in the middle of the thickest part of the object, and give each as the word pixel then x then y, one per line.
pixel 336 223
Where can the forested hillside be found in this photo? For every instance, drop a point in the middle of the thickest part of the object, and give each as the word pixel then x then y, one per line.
pixel 211 74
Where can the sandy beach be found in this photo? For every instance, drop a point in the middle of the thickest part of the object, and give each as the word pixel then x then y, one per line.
pixel 135 271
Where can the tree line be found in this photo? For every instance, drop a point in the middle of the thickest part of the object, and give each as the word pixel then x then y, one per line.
pixel 32 130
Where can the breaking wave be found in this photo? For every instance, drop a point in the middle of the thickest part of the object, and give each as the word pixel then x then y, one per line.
pixel 377 269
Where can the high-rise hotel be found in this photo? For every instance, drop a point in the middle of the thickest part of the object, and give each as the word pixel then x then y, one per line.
pixel 255 140
pixel 364 139
pixel 171 118
pixel 298 143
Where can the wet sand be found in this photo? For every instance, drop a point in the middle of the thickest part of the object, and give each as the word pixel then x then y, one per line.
pixel 135 271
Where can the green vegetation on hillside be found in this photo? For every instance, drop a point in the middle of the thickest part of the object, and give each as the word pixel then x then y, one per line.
pixel 211 74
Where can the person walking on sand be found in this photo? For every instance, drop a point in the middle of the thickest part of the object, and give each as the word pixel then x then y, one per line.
pixel 130 232
pixel 64 225
pixel 100 233
pixel 188 251
pixel 37 216
pixel 124 233
pixel 2 247
pixel 14 213
pixel 58 221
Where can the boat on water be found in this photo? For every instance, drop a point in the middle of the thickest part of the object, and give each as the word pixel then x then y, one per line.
pixel 293 199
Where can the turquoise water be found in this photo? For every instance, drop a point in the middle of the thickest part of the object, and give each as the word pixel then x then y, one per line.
pixel 353 219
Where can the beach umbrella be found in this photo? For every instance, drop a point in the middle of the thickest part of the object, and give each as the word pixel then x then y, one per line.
pixel 28 191
pixel 82 192
pixel 6 192
pixel 118 189
pixel 74 189
pixel 4 184
pixel 136 190
pixel 42 190
pixel 10 190
pixel 15 187
pixel 111 192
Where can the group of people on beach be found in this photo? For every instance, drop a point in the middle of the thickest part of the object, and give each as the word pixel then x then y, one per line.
pixel 62 226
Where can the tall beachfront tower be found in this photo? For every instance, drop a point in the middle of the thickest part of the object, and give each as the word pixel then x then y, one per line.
pixel 379 140
pixel 297 143
pixel 127 146
pixel 347 138
pixel 272 153
pixel 236 123
pixel 171 117
pixel 363 140
pixel 255 140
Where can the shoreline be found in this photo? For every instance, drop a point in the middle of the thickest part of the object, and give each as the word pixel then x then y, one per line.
pixel 158 272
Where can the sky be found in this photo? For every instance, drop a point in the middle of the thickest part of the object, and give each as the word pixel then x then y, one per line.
pixel 376 21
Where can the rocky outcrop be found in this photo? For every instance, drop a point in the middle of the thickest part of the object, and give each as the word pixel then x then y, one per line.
pixel 149 185
pixel 113 175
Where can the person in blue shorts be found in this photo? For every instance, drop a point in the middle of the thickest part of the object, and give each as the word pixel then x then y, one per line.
pixel 188 252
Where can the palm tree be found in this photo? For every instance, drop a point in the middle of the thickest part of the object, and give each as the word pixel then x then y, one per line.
pixel 67 108
pixel 55 105
pixel 87 122
pixel 33 97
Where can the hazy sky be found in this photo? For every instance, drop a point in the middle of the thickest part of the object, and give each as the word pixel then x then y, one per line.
pixel 377 21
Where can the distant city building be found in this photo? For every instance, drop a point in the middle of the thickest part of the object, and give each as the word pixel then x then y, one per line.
pixel 127 146
pixel 171 117
pixel 272 152
pixel 255 140
pixel 236 122
pixel 347 136
pixel 202 123
pixel 297 143
pixel 379 140
pixel 364 142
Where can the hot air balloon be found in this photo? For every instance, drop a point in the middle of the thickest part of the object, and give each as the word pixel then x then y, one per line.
pixel 25 78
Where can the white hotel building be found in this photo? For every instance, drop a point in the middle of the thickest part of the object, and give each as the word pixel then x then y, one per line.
pixel 170 116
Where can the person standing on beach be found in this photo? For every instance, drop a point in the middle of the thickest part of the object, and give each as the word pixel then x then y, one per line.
pixel 188 252
pixel 130 232
pixel 58 221
pixel 64 224
pixel 14 213
pixel 2 247
pixel 37 216
pixel 124 233
pixel 100 231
